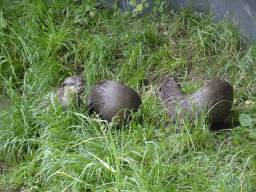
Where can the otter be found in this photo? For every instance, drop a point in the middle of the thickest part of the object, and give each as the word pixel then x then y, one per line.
pixel 113 101
pixel 215 98
pixel 68 91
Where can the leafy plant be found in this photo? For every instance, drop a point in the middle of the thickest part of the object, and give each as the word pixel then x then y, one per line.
pixel 249 121
pixel 246 120
pixel 140 6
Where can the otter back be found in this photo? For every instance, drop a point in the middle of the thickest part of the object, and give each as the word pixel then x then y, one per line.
pixel 109 99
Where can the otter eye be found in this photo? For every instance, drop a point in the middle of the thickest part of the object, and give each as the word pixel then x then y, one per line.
pixel 160 89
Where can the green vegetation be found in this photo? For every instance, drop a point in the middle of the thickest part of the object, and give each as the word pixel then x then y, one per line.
pixel 53 149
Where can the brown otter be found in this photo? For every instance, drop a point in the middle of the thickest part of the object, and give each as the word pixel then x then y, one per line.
pixel 215 97
pixel 110 99
pixel 65 93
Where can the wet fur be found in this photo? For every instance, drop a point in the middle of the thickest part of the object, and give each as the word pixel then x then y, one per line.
pixel 215 97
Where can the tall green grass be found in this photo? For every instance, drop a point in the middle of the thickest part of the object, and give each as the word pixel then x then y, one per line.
pixel 51 149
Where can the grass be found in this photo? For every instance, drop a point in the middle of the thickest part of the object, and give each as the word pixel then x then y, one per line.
pixel 67 150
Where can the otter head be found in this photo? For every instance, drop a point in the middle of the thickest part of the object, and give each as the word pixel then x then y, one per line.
pixel 68 92
pixel 170 92
pixel 74 84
